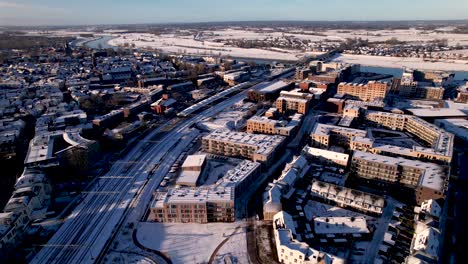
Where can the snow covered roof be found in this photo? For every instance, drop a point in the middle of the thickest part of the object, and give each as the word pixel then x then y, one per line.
pixel 437 112
pixel 194 161
pixel 433 176
pixel 431 207
pixel 426 242
pixel 340 225
pixel 325 130
pixel 340 158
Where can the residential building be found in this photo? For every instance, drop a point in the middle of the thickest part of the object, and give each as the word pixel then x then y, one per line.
pixel 194 205
pixel 261 148
pixel 323 135
pixel 346 197
pixel 264 125
pixel 366 92
pixel 291 250
pixel 283 186
pixel 425 244
pixel 441 142
pixel 429 180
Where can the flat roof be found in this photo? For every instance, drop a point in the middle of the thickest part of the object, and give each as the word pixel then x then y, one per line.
pixel 188 178
pixel 327 154
pixel 437 112
pixel 325 130
pixel 459 127
pixel 186 195
pixel 433 176
pixel 194 161
pixel 271 87
pixel 264 144
pixel 340 225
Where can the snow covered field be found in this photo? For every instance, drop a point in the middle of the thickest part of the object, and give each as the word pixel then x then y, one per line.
pixel 194 243
pixel 188 44
pixel 396 62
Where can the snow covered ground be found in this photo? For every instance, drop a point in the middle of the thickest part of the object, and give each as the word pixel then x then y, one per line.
pixel 235 248
pixel 396 62
pixel 187 44
pixel 127 258
pixel 194 243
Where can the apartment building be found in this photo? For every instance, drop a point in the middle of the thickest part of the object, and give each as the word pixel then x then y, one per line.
pixel 212 203
pixel 293 101
pixel 423 90
pixel 302 73
pixel 346 197
pixel 429 180
pixel 264 125
pixel 388 120
pixel 441 142
pixel 323 135
pixel 194 205
pixel 261 148
pixel 367 92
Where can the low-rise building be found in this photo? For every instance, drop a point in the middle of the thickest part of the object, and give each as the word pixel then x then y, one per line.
pixel 236 77
pixel 268 91
pixel 441 141
pixel 346 197
pixel 191 170
pixel 292 251
pixel 327 156
pixel 425 244
pixel 283 186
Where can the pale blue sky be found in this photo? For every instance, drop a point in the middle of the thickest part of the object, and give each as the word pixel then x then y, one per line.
pixel 54 12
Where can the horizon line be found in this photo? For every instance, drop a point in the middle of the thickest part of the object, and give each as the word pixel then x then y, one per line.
pixel 464 20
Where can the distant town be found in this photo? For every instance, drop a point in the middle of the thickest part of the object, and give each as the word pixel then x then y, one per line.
pixel 234 143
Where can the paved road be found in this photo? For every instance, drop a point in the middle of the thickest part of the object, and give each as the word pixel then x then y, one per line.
pixel 382 224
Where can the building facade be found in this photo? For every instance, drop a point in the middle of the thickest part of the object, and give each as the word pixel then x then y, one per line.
pixel 366 92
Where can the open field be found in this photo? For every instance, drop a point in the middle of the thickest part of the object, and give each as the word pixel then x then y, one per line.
pixel 397 62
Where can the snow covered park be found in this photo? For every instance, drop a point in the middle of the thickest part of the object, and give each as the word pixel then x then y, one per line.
pixel 196 243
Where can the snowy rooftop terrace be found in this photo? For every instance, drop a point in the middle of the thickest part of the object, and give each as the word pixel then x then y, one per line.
pixel 264 144
pixel 340 225
pixel 240 172
pixel 194 195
